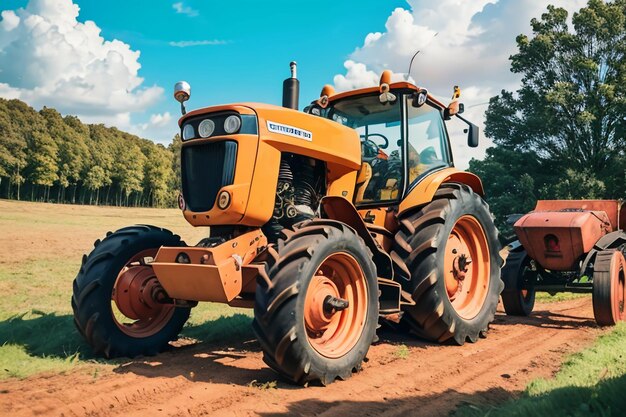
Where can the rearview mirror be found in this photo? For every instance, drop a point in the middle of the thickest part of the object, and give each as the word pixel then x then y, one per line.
pixel 473 135
pixel 473 132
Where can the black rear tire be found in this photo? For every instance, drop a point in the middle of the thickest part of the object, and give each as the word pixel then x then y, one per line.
pixel 609 287
pixel 518 277
pixel 93 286
pixel 418 255
pixel 279 311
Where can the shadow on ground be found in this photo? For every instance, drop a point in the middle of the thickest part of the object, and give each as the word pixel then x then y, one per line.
pixel 548 320
pixel 51 335
pixel 604 399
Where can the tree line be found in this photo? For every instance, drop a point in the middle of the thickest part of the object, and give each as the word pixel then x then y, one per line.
pixel 45 156
pixel 562 134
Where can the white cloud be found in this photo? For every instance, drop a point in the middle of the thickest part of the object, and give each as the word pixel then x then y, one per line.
pixel 161 127
pixel 472 49
pixel 161 119
pixel 182 9
pixel 9 20
pixel 185 44
pixel 48 57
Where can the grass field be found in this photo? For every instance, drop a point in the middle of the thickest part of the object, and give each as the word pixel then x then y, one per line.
pixel 41 246
pixel 590 383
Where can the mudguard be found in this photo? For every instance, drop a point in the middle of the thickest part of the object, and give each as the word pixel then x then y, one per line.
pixel 340 209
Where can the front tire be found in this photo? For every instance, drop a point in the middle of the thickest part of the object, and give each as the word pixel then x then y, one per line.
pixel 454 299
pixel 112 302
pixel 302 336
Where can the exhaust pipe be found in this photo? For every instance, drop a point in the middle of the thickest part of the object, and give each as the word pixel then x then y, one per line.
pixel 291 89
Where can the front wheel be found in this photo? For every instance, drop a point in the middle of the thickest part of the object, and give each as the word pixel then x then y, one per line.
pixel 318 318
pixel 448 254
pixel 116 299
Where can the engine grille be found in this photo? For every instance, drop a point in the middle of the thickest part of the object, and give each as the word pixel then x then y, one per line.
pixel 205 168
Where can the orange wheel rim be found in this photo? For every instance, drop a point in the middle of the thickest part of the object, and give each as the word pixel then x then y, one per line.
pixel 467 267
pixel 618 265
pixel 331 332
pixel 133 306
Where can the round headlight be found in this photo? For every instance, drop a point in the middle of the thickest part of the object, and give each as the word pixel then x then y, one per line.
pixel 232 124
pixel 188 132
pixel 206 128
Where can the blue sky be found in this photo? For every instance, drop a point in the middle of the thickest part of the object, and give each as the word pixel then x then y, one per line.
pixel 115 61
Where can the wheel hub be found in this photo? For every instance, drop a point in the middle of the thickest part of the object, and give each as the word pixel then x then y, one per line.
pixel 137 293
pixel 335 306
pixel 317 314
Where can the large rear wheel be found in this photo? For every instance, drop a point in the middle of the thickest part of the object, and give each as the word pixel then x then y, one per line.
pixel 609 289
pixel 118 301
pixel 318 318
pixel 448 253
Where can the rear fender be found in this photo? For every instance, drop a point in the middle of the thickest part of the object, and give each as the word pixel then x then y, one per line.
pixel 425 190
pixel 608 241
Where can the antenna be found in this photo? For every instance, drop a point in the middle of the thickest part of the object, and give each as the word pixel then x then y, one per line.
pixel 408 74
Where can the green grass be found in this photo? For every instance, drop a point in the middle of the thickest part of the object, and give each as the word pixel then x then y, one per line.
pixel 402 352
pixel 15 362
pixel 544 297
pixel 41 246
pixel 590 383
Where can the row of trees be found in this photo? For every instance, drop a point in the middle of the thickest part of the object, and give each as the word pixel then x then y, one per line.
pixel 47 157
pixel 562 135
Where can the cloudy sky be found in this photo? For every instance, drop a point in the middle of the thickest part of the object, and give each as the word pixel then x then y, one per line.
pixel 115 61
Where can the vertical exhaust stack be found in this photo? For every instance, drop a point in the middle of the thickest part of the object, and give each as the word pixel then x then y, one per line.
pixel 291 89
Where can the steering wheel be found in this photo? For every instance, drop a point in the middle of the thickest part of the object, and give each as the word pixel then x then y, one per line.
pixel 385 145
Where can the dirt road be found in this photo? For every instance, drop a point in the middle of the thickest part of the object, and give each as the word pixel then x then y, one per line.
pixel 424 379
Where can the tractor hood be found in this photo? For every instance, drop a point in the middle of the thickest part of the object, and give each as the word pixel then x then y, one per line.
pixel 242 167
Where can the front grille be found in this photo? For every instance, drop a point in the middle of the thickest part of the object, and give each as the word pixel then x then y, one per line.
pixel 206 168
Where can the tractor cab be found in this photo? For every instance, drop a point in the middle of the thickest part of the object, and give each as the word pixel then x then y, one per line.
pixel 403 136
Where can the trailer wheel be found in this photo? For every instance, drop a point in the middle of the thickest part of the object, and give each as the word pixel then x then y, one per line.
pixel 115 292
pixel 450 250
pixel 609 289
pixel 318 317
pixel 519 279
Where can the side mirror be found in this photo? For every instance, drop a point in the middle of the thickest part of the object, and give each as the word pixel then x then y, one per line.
pixel 473 135
pixel 473 132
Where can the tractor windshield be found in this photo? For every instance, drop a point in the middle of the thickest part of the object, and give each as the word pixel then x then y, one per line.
pixel 383 136
pixel 379 126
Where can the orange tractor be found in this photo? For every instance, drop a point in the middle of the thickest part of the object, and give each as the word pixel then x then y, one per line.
pixel 569 246
pixel 323 221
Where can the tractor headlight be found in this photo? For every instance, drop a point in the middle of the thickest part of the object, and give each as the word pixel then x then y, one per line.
pixel 206 128
pixel 188 132
pixel 232 124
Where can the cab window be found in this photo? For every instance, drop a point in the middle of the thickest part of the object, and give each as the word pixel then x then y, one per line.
pixel 427 141
pixel 380 130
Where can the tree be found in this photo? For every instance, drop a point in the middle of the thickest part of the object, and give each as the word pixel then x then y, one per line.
pixel 129 168
pixel 175 148
pixel 567 121
pixel 158 175
pixel 42 161
pixel 49 153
